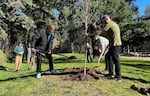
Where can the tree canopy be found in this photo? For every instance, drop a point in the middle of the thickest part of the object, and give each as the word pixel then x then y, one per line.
pixel 20 18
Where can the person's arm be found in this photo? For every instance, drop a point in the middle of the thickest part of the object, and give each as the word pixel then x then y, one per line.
pixel 34 40
pixel 101 55
pixel 94 33
pixel 15 49
pixel 104 44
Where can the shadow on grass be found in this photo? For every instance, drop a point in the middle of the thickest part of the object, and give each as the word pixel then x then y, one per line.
pixel 139 61
pixel 31 75
pixel 14 78
pixel 67 59
pixel 70 61
pixel 3 68
pixel 140 66
pixel 46 72
pixel 140 80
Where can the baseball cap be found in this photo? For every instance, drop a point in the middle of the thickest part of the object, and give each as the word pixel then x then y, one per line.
pixel 103 17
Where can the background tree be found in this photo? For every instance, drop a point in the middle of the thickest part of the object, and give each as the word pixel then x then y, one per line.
pixel 20 18
pixel 147 11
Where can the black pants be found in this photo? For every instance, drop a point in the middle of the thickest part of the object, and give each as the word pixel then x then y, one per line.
pixel 39 61
pixel 95 47
pixel 113 58
pixel 106 62
pixel 89 56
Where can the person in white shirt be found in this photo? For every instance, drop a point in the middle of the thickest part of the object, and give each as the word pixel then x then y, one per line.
pixel 104 45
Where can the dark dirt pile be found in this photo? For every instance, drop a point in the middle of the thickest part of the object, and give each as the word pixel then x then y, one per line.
pixel 145 91
pixel 78 74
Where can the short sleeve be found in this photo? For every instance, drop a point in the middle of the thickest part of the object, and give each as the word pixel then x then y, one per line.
pixel 107 27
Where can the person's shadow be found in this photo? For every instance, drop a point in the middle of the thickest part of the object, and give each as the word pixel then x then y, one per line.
pixel 3 68
pixel 14 78
pixel 33 75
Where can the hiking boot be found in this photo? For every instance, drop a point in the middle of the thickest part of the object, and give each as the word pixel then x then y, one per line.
pixel 38 75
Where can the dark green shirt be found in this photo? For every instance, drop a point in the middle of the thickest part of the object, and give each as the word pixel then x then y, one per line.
pixel 19 50
pixel 112 31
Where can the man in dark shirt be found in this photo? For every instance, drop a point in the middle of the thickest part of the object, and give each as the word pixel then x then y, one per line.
pixel 42 41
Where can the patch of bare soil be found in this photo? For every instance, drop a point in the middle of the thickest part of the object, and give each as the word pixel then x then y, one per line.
pixel 145 91
pixel 1 62
pixel 78 74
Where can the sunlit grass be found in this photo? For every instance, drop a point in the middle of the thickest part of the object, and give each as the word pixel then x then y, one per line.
pixel 24 83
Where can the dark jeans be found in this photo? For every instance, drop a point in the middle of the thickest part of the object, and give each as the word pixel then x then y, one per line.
pixel 106 62
pixel 95 43
pixel 89 56
pixel 95 53
pixel 113 58
pixel 39 61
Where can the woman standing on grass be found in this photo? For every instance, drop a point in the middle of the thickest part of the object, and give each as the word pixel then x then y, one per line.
pixel 30 57
pixel 19 50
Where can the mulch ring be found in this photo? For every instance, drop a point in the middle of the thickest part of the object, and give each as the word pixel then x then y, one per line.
pixel 145 91
pixel 78 74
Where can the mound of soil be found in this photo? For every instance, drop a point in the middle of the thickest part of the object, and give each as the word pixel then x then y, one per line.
pixel 78 74
pixel 145 91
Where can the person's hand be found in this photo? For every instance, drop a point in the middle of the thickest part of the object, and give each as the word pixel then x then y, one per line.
pixel 85 34
pixel 49 52
pixel 98 62
pixel 33 50
pixel 21 53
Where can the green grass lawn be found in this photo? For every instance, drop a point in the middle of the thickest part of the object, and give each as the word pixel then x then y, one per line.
pixel 23 83
pixel 3 57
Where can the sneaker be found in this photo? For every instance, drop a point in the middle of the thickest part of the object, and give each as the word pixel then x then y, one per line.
pixel 54 71
pixel 16 70
pixel 38 75
pixel 111 77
